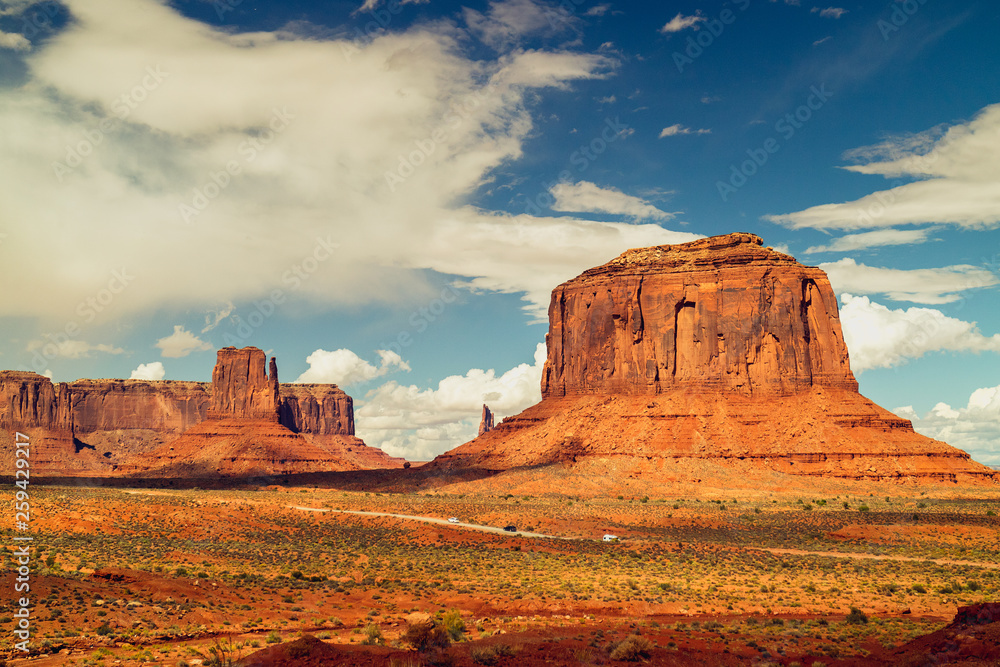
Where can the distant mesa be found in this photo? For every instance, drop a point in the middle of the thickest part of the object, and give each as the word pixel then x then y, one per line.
pixel 244 423
pixel 486 421
pixel 717 358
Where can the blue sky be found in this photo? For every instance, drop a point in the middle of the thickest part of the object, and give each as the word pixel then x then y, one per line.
pixel 384 194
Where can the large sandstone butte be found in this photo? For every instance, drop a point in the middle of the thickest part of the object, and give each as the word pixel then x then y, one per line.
pixel 717 357
pixel 119 427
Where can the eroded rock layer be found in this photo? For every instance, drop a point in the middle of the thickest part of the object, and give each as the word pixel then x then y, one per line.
pixel 718 353
pixel 99 427
pixel 717 314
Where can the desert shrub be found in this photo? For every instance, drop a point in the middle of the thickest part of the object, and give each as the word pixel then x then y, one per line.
pixel 454 625
pixel 917 588
pixel 633 648
pixel 856 617
pixel 373 635
pixel 273 637
pixel 863 508
pixel 490 655
pixel 973 585
pixel 425 635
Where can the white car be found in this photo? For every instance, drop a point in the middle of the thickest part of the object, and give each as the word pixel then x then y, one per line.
pixel 453 519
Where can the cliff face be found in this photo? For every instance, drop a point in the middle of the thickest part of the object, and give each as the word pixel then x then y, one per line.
pixel 717 314
pixel 241 388
pixel 100 426
pixel 695 361
pixel 323 409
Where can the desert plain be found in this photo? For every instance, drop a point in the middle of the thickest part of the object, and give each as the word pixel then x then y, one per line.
pixel 852 574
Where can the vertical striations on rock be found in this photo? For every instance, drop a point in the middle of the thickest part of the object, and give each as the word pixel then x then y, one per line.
pixel 717 357
pixel 241 388
pixel 486 422
pixel 721 313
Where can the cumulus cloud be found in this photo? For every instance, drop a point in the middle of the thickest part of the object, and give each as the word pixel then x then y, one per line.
pixel 344 367
pixel 974 428
pixel 161 118
pixel 420 423
pixel 681 22
pixel 880 337
pixel 14 41
pixel 956 181
pixel 674 130
pixel 585 196
pixel 71 349
pixel 181 343
pixel 879 237
pixel 151 371
pixel 830 12
pixel 929 286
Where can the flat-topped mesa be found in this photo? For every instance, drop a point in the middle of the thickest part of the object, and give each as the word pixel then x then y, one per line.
pixel 241 388
pixel 720 313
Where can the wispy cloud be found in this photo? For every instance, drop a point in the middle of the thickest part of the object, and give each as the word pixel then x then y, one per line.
pixel 940 285
pixel 585 196
pixel 957 183
pixel 681 22
pixel 829 12
pixel 678 129
pixel 877 238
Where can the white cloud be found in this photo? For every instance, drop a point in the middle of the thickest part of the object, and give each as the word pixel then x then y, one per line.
pixel 14 41
pixel 830 12
pixel 506 23
pixel 213 318
pixel 343 367
pixel 674 130
pixel 956 174
pixel 879 337
pixel 150 371
pixel 681 22
pixel 71 349
pixel 585 196
pixel 354 112
pixel 879 237
pixel 421 423
pixel 370 5
pixel 598 10
pixel 974 428
pixel 931 286
pixel 181 343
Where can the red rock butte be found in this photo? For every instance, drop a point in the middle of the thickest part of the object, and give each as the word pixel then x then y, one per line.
pixel 242 424
pixel 680 361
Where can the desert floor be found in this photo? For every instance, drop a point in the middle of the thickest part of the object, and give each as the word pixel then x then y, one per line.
pixel 138 576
